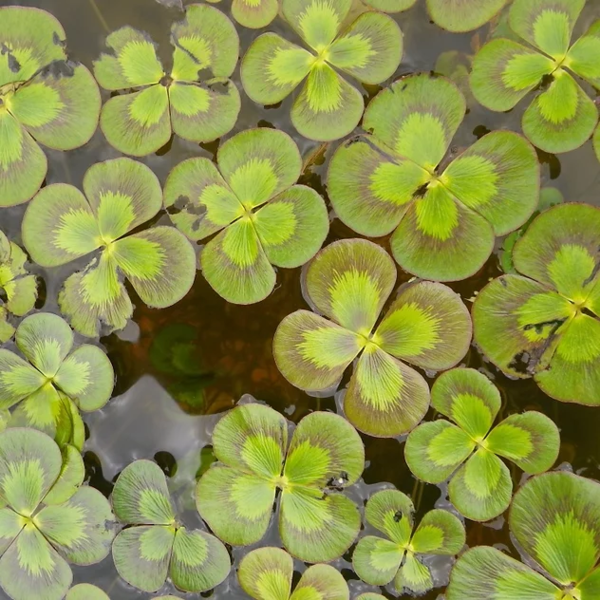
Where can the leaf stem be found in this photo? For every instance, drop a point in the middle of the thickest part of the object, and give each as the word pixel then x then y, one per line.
pixel 99 15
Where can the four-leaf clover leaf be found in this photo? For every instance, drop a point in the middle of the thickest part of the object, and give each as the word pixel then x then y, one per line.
pixel 562 116
pixel 545 321
pixel 317 523
pixel 157 544
pixel 251 200
pixel 44 97
pixel 378 561
pixel 328 107
pixel 467 450
pixel 444 219
pixel 61 225
pixel 196 100
pixel 555 519
pixel 427 325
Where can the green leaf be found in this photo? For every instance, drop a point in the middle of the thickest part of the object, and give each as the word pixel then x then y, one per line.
pixel 370 190
pixel 160 264
pixel 71 477
pixel 417 117
pixel 142 555
pixel 427 325
pixel 11 525
pixel 370 49
pixel 311 352
pixel 141 496
pixel 266 574
pixel 390 6
pixel 546 25
pixel 505 71
pixel 315 527
pixel 30 463
pixel 391 512
pixel 562 118
pixel 556 520
pixel 272 68
pixel 469 398
pixel 254 15
pixel 328 107
pixel 349 282
pixel 131 62
pixel 86 591
pixel 292 227
pixel 376 561
pixel 199 562
pixel 482 488
pixel 321 581
pixel 138 123
pixel 580 56
pixel 439 532
pixel 19 287
pixel 385 398
pixel 485 572
pixel 498 177
pixel 463 15
pixel 324 446
pixel 23 164
pixel 43 410
pixel 18 379
pixel 589 587
pixel 413 576
pixel 441 239
pixel 369 595
pixel 59 109
pixel 81 528
pixel 531 440
pixel 31 568
pixel 435 450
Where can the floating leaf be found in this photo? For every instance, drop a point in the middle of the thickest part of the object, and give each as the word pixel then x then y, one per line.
pixel 86 591
pixel 463 15
pixel 253 14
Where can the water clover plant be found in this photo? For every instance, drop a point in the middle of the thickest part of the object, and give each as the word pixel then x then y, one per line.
pixel 427 325
pixel 327 107
pixel 466 450
pixel 44 98
pixel 561 117
pixel 61 225
pixel 545 321
pixel 254 13
pixel 453 15
pixel 261 217
pixel 444 219
pixel 51 376
pixel 317 522
pixel 18 288
pixel 555 518
pixel 45 525
pixel 156 544
pixel 398 556
pixel 266 574
pixel 86 591
pixel 196 100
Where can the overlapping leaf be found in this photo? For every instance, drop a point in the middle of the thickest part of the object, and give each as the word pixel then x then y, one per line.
pixel 427 326
pixel 467 450
pixel 262 218
pixel 444 222
pixel 544 320
pixel 325 455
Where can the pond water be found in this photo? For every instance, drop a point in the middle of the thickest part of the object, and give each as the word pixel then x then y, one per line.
pixel 167 414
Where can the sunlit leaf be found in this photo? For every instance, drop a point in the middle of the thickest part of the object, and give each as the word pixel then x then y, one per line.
pixel 391 6
pixel 18 379
pixel 439 532
pixel 413 576
pixel 391 512
pixel 86 591
pixel 580 57
pixel 71 477
pixel 254 15
pixel 322 581
pixel 463 15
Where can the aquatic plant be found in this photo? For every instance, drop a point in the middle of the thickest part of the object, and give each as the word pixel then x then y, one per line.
pixel 86 591
pixel 544 322
pixel 196 100
pixel 45 98
pixel 17 286
pixel 454 16
pixel 49 519
pixel 327 107
pixel 427 326
pixel 370 596
pixel 317 522
pixel 561 117
pixel 266 574
pixel 444 219
pixel 398 556
pixel 157 544
pixel 252 202
pixel 555 518
pixel 61 225
pixel 466 450
pixel 54 379
pixel 254 14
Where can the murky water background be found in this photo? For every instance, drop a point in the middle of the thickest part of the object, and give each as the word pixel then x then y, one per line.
pixel 168 414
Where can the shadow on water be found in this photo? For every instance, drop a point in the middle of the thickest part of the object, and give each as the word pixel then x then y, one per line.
pixel 222 351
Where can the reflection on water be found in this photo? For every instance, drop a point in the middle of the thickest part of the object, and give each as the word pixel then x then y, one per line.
pixel 168 413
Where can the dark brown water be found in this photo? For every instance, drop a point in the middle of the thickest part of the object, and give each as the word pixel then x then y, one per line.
pixel 169 415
